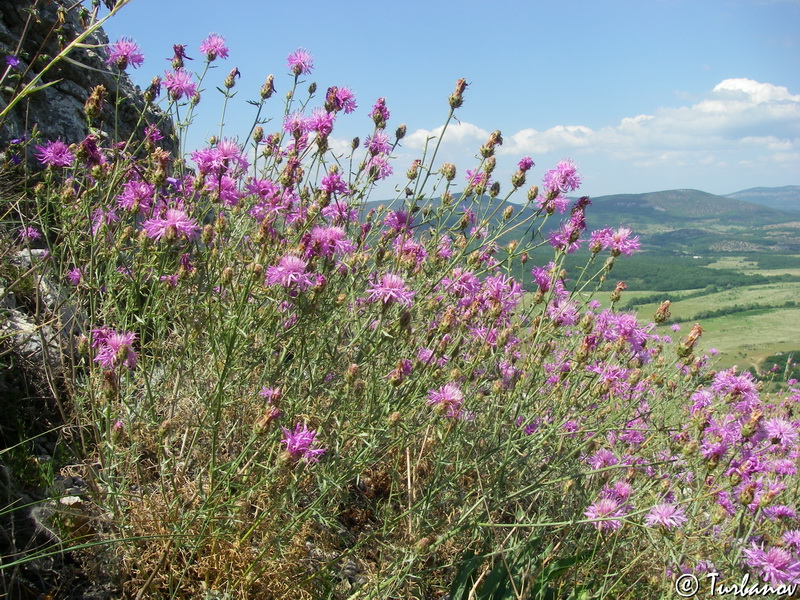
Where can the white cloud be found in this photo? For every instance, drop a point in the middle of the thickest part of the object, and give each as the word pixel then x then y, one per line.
pixel 737 113
pixel 457 134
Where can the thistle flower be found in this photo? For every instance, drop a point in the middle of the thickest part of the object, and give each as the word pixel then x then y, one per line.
pixel 29 234
pixel 175 222
pixel 449 397
pixel 605 514
pixel 391 288
pixel 564 178
pixel 300 62
pixel 114 348
pixel 302 443
pixel 214 47
pixel 74 276
pixel 123 53
pixel 775 566
pixel 179 83
pixel 667 516
pixel 290 273
pixel 55 154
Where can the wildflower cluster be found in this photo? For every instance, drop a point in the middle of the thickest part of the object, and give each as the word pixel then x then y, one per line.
pixel 304 373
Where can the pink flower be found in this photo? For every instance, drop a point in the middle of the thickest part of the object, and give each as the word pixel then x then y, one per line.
pixel 290 273
pixel 179 83
pixel 115 348
pixel 271 394
pixel 378 143
pixel 302 443
pixel 321 121
pixel 125 52
pixel 563 178
pixel 525 164
pixel 328 241
pixel 775 566
pixel 214 47
pixel 297 124
pixel 300 62
pixel 619 241
pixel 392 288
pixel 346 99
pixel 175 223
pixel 380 113
pixel 136 196
pixel 333 183
pixel 667 516
pixel 29 234
pixel 605 514
pixel 379 167
pixel 74 276
pixel 449 397
pixel 55 154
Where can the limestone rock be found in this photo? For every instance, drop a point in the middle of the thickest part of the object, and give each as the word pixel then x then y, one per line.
pixel 58 111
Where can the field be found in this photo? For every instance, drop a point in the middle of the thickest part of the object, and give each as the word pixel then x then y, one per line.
pixel 758 320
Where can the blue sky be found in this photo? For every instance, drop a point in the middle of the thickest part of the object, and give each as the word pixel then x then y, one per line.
pixel 644 95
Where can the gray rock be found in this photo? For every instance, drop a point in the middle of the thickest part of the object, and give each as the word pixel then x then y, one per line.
pixel 58 111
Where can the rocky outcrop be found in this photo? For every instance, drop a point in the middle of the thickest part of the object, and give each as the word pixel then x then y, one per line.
pixel 44 26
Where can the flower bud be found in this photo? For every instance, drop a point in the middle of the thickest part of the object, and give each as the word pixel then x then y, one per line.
pixel 268 88
pixel 662 314
pixel 400 133
pixel 449 171
pixel 312 88
pixel 533 192
pixel 230 80
pixel 457 97
pixel 95 102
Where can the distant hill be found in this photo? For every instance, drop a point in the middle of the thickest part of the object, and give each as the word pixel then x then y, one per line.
pixel 782 198
pixel 697 222
pixel 686 221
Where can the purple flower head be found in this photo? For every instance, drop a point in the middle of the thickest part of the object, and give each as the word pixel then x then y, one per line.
pixel 378 143
pixel 379 167
pixel 290 273
pixel 346 99
pixel 300 62
pixel 780 433
pixel 213 47
pixel 175 223
pixel 619 241
pixel 124 53
pixel 302 443
pixel 297 124
pixel 605 514
pixel 775 566
pixel 179 83
pixel 114 348
pixel 12 61
pixel 564 178
pixel 380 114
pixel 74 276
pixel 449 397
pixel 55 154
pixel 271 394
pixel 136 196
pixel 566 238
pixel 333 183
pixel 398 220
pixel 390 289
pixel 525 164
pixel 328 241
pixel 29 234
pixel 321 121
pixel 667 516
